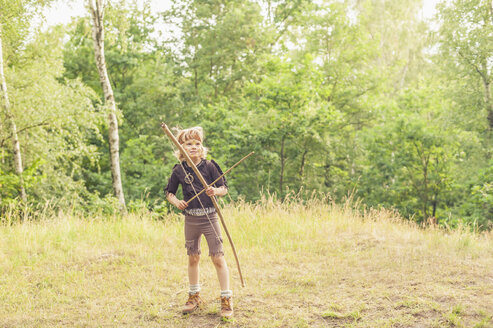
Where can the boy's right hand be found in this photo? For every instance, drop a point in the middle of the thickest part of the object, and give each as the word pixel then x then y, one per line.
pixel 182 204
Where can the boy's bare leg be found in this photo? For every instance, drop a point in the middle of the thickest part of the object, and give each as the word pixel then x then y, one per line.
pixel 194 300
pixel 193 269
pixel 222 271
pixel 226 293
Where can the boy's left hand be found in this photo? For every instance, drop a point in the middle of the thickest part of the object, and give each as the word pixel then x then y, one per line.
pixel 210 191
pixel 221 191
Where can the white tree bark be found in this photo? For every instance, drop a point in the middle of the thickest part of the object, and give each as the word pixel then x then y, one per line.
pixel 97 12
pixel 12 127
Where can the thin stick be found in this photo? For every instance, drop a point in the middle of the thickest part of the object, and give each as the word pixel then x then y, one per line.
pixel 220 177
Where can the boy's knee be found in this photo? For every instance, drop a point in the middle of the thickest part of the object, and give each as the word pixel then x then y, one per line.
pixel 194 259
pixel 218 261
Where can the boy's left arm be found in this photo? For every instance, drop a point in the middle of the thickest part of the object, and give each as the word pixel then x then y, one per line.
pixel 220 191
pixel 216 172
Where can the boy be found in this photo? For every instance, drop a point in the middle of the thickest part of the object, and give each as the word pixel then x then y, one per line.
pixel 200 216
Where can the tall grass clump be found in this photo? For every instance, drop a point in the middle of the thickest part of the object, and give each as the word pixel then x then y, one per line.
pixel 16 211
pixel 296 223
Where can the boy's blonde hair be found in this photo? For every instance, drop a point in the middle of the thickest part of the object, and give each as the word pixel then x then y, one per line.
pixel 184 135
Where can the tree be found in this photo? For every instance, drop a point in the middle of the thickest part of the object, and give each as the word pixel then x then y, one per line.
pixel 12 126
pixel 220 45
pixel 413 159
pixel 466 44
pixel 14 22
pixel 400 37
pixel 56 119
pixel 149 88
pixel 349 87
pixel 284 113
pixel 97 8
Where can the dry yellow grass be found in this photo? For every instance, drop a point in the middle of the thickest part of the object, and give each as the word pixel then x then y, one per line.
pixel 305 265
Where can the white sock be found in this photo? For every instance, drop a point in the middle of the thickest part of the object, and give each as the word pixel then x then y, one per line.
pixel 226 293
pixel 194 289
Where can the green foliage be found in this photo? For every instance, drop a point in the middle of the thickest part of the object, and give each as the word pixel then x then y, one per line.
pixel 15 16
pixel 465 40
pixel 141 169
pixel 9 182
pixel 56 119
pixel 342 98
pixel 220 45
pixel 477 205
pixel 409 167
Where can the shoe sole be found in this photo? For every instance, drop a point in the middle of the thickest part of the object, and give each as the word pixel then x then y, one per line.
pixel 189 311
pixel 199 306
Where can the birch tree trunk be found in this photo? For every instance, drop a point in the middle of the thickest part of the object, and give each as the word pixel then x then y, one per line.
pixel 283 162
pixel 489 103
pixel 12 127
pixel 97 12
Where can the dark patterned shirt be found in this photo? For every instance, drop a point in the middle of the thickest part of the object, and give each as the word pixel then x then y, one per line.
pixel 184 175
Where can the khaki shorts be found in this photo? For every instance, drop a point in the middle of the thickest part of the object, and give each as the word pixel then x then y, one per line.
pixel 195 226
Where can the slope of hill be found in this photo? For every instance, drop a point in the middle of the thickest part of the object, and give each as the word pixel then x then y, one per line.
pixel 305 265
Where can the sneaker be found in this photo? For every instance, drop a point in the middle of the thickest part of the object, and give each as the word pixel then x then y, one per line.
pixel 226 307
pixel 194 301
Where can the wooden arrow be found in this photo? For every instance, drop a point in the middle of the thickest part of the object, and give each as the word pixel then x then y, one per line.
pixel 213 182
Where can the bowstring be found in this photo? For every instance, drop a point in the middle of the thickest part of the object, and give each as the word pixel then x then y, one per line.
pixel 198 197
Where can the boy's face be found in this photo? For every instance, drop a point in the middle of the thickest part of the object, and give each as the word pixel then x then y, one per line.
pixel 193 147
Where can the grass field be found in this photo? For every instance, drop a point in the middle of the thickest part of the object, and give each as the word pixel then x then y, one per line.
pixel 312 265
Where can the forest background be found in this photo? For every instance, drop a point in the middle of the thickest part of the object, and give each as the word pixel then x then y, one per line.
pixel 360 98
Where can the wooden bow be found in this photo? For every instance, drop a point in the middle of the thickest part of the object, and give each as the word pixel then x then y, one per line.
pixel 204 183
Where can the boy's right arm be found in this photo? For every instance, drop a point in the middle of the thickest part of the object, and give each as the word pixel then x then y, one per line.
pixel 181 204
